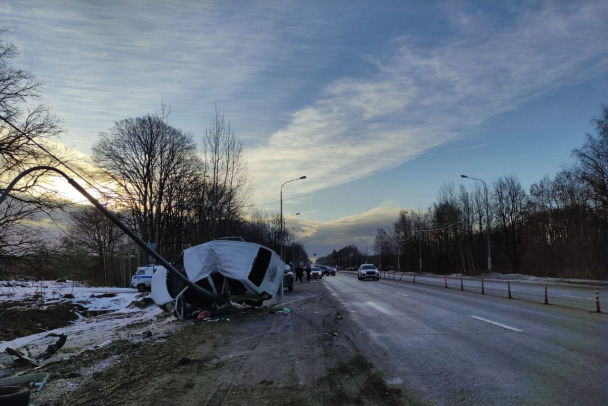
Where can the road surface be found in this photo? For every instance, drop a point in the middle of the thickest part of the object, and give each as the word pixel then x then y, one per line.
pixel 453 347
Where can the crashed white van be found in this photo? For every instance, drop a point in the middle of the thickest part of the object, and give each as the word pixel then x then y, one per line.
pixel 142 280
pixel 225 270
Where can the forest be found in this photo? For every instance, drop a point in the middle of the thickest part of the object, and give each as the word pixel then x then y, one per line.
pixel 557 228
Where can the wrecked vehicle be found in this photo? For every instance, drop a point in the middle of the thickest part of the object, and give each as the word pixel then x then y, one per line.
pixel 207 276
pixel 226 271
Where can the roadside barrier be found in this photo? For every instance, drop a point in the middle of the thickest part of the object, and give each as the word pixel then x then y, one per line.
pixel 524 290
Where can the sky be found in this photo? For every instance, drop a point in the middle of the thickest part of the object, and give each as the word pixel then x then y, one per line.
pixel 378 103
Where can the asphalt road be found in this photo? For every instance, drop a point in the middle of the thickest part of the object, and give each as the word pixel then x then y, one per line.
pixel 452 347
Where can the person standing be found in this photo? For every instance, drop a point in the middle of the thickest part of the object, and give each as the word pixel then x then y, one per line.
pixel 308 270
pixel 299 273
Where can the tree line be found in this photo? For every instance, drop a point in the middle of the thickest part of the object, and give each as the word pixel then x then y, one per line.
pixel 171 193
pixel 557 228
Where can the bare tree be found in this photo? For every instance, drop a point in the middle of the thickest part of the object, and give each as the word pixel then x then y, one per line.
pixel 226 174
pixel 23 126
pixel 593 161
pixel 510 202
pixel 94 233
pixel 145 157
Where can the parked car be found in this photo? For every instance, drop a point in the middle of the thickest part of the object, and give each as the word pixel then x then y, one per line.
pixel 288 278
pixel 368 271
pixel 142 280
pixel 329 271
pixel 316 272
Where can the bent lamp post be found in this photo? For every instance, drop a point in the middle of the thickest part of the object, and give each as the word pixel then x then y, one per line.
pixel 116 221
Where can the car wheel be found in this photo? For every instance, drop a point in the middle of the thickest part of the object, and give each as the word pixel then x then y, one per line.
pixel 290 287
pixel 141 287
pixel 14 395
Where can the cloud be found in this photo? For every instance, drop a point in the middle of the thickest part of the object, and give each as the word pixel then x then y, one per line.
pixel 106 62
pixel 419 98
pixel 357 229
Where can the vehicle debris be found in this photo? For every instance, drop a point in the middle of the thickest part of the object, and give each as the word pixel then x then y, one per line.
pixel 14 358
pixel 53 348
pixel 225 271
pixel 36 380
pixel 16 377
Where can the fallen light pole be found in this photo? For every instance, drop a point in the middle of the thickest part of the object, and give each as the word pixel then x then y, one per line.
pixel 116 221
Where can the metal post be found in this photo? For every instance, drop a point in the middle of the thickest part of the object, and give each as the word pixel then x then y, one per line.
pixel 281 236
pixel 509 288
pixel 419 248
pixel 597 302
pixel 142 244
pixel 546 295
pixel 485 188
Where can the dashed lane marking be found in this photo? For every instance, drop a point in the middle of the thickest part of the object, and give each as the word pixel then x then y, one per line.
pixel 497 324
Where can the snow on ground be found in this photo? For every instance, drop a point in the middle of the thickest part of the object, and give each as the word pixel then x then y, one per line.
pixel 119 315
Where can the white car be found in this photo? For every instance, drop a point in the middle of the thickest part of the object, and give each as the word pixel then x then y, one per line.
pixel 368 271
pixel 142 280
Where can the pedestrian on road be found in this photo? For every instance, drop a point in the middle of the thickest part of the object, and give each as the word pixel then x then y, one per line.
pixel 308 270
pixel 299 273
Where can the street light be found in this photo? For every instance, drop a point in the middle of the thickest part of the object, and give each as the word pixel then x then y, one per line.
pixel 295 214
pixel 485 188
pixel 281 236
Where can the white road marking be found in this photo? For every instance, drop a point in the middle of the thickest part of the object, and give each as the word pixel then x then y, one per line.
pixel 402 294
pixel 582 297
pixel 376 306
pixel 497 324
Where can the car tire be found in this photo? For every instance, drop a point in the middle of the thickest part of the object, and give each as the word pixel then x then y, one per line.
pixel 14 395
pixel 290 288
pixel 141 287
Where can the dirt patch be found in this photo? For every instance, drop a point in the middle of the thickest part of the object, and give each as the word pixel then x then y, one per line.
pixel 19 321
pixel 299 352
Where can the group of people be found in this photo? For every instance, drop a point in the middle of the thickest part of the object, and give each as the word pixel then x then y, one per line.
pixel 300 273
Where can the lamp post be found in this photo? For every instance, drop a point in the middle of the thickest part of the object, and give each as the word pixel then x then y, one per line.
pixel 286 231
pixel 281 236
pixel 419 247
pixel 485 188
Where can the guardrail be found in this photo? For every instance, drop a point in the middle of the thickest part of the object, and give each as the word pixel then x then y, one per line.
pixel 560 293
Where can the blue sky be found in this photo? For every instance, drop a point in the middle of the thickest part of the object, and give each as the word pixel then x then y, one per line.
pixel 378 103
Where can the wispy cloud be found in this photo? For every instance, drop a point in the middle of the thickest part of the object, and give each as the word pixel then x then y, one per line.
pixel 273 68
pixel 102 62
pixel 420 98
